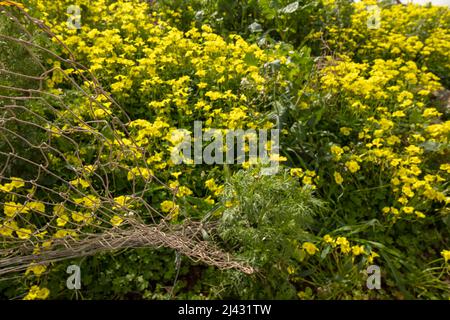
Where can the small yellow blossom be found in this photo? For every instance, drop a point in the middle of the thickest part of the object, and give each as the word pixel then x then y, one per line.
pixel 408 209
pixel 23 233
pixel 336 151
pixel 338 178
pixel 345 131
pixel 36 269
pixel 310 248
pixel 62 220
pixel 116 221
pixel 446 255
pixel 372 256
pixel 37 293
pixel 80 182
pixel 290 270
pixel 296 172
pixel 352 165
pixel 11 208
pixel 357 250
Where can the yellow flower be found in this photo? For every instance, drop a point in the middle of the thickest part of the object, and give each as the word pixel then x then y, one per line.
pixel 446 255
pixel 213 95
pixel 58 209
pixel 36 269
pixel 290 270
pixel 208 200
pixel 211 184
pixel 183 191
pixel 81 217
pixel 345 131
pixel 101 113
pixel 11 208
pixel 372 256
pixel 176 174
pixel 121 201
pixel 167 206
pixel 140 172
pixel 352 165
pixel 310 248
pixel 402 200
pixel 80 182
pixel 408 209
pixel 307 180
pixel 344 244
pixel 395 162
pixel 201 73
pixel 398 114
pixel 202 85
pixel 431 112
pixel 37 293
pixel 419 214
pixel 89 201
pixel 47 244
pixel 357 250
pixel 296 172
pixel 342 241
pixel 59 234
pixel 391 140
pixel 116 221
pixel 62 220
pixel 170 206
pixel 345 249
pixel 445 167
pixel 23 233
pixel 328 239
pixel 206 28
pixel 310 173
pixel 336 151
pixel 8 228
pixel 36 206
pixel 407 191
pixel 15 183
pixel 338 178
pixel 42 294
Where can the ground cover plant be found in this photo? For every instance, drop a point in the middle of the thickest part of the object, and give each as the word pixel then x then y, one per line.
pixel 359 93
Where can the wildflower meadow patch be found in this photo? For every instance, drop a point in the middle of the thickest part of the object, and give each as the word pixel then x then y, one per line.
pixel 224 150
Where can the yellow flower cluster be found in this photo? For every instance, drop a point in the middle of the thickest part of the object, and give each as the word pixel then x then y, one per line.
pixel 346 248
pixel 389 100
pixel 15 183
pixel 166 78
pixel 37 293
pixel 310 248
pixel 170 207
pixel 409 32
pixel 37 269
pixel 308 177
pixel 11 210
